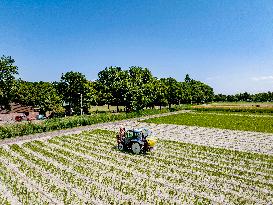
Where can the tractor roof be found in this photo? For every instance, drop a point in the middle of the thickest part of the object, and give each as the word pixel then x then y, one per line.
pixel 143 129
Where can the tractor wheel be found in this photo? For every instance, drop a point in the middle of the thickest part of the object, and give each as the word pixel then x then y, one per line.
pixel 120 147
pixel 136 148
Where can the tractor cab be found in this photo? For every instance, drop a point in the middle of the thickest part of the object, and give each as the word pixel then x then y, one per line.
pixel 134 134
pixel 138 140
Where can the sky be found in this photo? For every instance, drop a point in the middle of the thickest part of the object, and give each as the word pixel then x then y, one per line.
pixel 227 44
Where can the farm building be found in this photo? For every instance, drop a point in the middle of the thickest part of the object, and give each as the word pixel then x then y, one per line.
pixel 17 109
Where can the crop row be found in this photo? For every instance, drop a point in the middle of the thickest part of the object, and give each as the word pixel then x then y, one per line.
pixel 88 169
pixel 4 200
pixel 41 180
pixel 248 181
pixel 180 160
pixel 90 192
pixel 124 180
pixel 17 186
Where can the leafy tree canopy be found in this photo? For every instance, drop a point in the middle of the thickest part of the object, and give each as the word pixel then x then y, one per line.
pixel 7 77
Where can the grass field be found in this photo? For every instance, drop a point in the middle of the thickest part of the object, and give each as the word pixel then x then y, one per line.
pixel 223 120
pixel 87 169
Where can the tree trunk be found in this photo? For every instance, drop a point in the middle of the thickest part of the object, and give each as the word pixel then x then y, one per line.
pixel 160 106
pixel 108 106
pixel 117 108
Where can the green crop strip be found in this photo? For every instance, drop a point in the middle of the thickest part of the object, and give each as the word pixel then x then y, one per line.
pixel 222 121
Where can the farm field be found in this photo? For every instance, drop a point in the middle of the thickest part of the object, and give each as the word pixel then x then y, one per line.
pixel 241 103
pixel 87 169
pixel 241 107
pixel 223 120
pixel 104 108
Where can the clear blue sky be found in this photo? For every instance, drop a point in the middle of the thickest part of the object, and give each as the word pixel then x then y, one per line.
pixel 227 44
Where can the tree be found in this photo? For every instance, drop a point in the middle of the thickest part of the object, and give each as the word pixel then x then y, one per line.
pixel 139 86
pixel 7 79
pixel 219 98
pixel 187 87
pixel 112 85
pixel 131 88
pixel 91 95
pixel 196 91
pixel 187 78
pixel 46 97
pixel 42 95
pixel 23 93
pixel 201 92
pixel 172 92
pixel 71 86
pixel 160 93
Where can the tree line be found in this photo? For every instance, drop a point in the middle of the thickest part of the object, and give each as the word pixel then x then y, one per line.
pixel 134 89
pixel 246 97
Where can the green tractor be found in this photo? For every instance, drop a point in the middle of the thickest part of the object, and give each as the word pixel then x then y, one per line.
pixel 136 140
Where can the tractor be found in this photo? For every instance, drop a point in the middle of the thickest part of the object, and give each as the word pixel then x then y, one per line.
pixel 136 140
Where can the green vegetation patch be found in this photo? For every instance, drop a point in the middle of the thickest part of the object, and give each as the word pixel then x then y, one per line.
pixel 219 120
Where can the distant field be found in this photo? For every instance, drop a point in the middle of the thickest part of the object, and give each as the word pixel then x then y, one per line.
pixel 243 103
pixel 104 108
pixel 87 169
pixel 249 107
pixel 258 123
pixel 239 104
